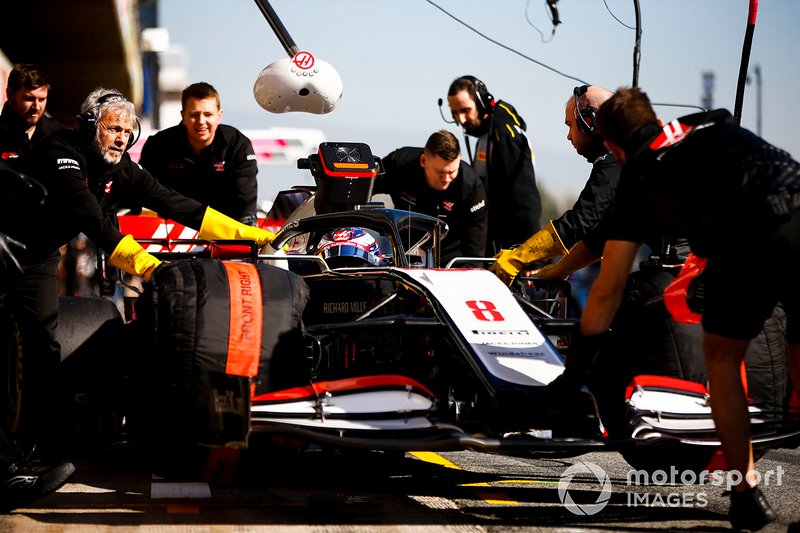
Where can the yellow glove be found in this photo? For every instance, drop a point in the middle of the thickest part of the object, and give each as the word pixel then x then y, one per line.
pixel 218 226
pixel 133 259
pixel 543 245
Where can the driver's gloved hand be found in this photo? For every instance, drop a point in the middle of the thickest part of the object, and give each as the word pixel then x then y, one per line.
pixel 583 350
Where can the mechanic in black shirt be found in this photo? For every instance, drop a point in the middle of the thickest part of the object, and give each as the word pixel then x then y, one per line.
pixel 503 161
pixel 729 191
pixel 210 162
pixel 597 196
pixel 22 480
pixel 24 125
pixel 435 181
pixel 23 121
pixel 88 175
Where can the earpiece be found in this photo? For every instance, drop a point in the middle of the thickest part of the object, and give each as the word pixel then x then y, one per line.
pixel 87 121
pixel 484 101
pixel 585 117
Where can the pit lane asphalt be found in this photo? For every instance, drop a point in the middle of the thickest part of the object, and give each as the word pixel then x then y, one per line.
pixel 324 491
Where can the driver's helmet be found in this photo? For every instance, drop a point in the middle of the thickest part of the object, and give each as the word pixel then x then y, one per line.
pixel 349 247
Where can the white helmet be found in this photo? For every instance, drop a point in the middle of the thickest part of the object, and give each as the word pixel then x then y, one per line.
pixel 302 83
pixel 349 247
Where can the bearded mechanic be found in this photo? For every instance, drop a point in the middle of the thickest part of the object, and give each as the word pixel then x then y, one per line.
pixel 89 175
pixel 503 162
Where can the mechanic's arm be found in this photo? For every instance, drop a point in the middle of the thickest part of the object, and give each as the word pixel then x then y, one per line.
pixel 601 306
pixel 606 292
pixel 124 252
pixel 580 256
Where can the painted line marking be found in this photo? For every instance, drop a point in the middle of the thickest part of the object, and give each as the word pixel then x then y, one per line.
pixel 491 498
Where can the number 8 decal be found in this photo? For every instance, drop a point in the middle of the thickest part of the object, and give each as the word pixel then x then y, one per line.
pixel 485 311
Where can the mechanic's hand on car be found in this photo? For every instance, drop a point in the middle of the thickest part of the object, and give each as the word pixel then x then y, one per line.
pixel 506 266
pixel 583 350
pixel 551 271
pixel 544 244
pixel 529 273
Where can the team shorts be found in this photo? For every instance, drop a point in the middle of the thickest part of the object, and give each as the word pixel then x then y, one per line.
pixel 744 286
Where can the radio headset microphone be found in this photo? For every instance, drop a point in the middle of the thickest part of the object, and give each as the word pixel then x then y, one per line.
pixel 442 113
pixel 466 139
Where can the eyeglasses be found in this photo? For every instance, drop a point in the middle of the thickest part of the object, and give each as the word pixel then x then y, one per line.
pixel 117 130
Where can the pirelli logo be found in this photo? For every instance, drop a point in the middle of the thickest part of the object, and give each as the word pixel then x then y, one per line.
pixel 244 335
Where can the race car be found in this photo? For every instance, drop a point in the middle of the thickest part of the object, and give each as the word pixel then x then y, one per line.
pixel 351 334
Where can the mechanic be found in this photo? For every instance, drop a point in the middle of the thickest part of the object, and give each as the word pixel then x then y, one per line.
pixel 435 181
pixel 210 162
pixel 597 196
pixel 22 480
pixel 23 121
pixel 24 125
pixel 89 175
pixel 704 176
pixel 503 161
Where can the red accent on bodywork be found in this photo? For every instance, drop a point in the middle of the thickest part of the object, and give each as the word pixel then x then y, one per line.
pixel 675 293
pixel 385 381
pixel 647 380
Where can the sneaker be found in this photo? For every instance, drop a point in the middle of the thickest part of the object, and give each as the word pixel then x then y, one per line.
pixel 750 510
pixel 28 482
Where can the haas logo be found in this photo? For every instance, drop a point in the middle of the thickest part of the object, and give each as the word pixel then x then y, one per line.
pixel 303 60
pixel 671 134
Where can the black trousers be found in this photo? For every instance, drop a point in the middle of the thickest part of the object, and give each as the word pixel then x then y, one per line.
pixel 32 297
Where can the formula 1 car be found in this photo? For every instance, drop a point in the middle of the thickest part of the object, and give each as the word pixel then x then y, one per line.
pixel 390 350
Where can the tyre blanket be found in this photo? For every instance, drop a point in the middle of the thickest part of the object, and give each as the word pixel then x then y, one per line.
pixel 217 333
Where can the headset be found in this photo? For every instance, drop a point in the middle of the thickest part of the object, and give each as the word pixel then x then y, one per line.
pixel 484 101
pixel 87 121
pixel 585 117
